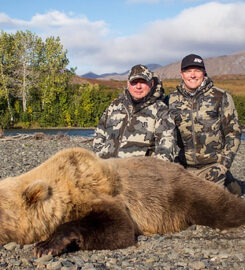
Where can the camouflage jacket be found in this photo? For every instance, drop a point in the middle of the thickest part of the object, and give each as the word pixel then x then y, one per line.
pixel 207 122
pixel 142 129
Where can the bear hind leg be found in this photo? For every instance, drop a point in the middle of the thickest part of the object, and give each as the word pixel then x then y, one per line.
pixel 215 207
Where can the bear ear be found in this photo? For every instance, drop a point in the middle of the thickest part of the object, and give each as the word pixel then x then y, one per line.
pixel 36 191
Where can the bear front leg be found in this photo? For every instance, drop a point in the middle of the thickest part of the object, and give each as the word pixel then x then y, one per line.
pixel 65 234
pixel 107 226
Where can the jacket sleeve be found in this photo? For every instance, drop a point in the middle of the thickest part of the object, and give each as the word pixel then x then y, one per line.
pixel 101 133
pixel 231 131
pixel 165 135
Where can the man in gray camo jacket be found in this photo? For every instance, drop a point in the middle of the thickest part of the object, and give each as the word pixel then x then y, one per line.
pixel 138 122
pixel 207 125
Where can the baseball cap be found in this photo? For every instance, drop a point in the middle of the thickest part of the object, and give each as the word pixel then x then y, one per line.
pixel 192 60
pixel 140 72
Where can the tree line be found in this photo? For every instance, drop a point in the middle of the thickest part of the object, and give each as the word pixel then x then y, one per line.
pixel 36 88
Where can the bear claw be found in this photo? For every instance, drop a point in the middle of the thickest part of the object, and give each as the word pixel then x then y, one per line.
pixel 46 248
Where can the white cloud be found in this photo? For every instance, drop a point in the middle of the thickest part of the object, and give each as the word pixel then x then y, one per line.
pixel 210 29
pixel 79 35
pixel 7 22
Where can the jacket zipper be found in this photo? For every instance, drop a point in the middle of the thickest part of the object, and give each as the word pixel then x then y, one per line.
pixel 193 131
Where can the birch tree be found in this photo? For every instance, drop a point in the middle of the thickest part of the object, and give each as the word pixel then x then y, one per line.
pixel 7 62
pixel 28 56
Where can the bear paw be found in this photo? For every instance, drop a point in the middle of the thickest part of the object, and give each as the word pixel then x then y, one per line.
pixel 48 247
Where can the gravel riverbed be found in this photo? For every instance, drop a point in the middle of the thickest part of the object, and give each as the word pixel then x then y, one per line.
pixel 197 247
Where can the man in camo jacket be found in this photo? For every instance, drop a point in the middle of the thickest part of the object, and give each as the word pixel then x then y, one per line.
pixel 207 125
pixel 138 122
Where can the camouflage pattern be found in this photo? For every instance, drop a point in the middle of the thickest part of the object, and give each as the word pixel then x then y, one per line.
pixel 220 175
pixel 129 129
pixel 215 172
pixel 207 122
pixel 140 72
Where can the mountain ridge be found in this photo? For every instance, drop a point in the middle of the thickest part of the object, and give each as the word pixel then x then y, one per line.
pixel 220 65
pixel 92 75
pixel 230 64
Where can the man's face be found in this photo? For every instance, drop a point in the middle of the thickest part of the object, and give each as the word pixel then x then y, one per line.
pixel 192 78
pixel 139 88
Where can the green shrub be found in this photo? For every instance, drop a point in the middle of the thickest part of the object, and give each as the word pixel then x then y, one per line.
pixel 5 120
pixel 240 106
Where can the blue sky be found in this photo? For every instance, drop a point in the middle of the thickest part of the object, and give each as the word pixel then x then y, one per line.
pixel 111 36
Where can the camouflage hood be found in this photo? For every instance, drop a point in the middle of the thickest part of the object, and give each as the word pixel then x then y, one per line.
pixel 204 87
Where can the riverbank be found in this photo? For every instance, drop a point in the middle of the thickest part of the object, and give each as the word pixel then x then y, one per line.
pixel 74 131
pixel 195 248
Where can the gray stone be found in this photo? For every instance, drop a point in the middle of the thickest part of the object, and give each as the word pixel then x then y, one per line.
pixel 11 246
pixel 197 265
pixel 54 266
pixel 44 259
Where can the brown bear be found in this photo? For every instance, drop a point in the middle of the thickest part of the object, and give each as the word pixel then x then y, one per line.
pixel 76 200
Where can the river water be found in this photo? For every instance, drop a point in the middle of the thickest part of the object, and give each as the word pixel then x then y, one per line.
pixel 70 132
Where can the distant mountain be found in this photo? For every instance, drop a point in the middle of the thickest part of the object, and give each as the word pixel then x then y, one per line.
pixel 91 75
pixel 153 66
pixel 115 76
pixel 221 65
pixel 123 76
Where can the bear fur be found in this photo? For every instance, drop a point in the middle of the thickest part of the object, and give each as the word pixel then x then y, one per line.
pixel 76 200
